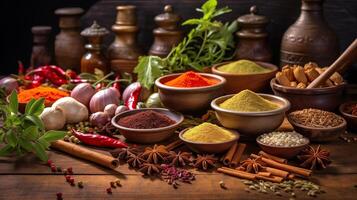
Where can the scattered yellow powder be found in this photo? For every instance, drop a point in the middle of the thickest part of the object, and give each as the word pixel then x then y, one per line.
pixel 248 101
pixel 208 133
pixel 243 67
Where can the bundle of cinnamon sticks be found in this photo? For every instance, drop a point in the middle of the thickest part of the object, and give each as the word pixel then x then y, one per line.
pixel 234 155
pixel 275 170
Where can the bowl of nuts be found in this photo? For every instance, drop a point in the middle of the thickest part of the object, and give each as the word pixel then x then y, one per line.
pixel 291 83
pixel 317 125
pixel 282 144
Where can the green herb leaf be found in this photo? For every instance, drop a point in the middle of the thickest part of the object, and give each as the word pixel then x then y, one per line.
pixel 148 69
pixel 37 107
pixel 6 150
pixel 43 143
pixel 36 121
pixel 30 133
pixel 14 104
pixel 11 138
pixel 51 136
pixel 29 105
pixel 27 145
pixel 40 151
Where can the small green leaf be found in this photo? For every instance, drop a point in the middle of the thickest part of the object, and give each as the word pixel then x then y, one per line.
pixel 51 136
pixel 14 104
pixel 30 133
pixel 36 121
pixel 148 70
pixel 11 138
pixel 6 150
pixel 25 144
pixel 43 143
pixel 29 105
pixel 40 152
pixel 37 107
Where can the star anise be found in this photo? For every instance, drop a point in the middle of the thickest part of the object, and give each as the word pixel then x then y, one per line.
pixel 155 154
pixel 150 169
pixel 205 161
pixel 253 165
pixel 314 158
pixel 135 160
pixel 179 159
pixel 124 153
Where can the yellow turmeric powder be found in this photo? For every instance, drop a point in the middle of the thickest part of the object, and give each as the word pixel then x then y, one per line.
pixel 208 133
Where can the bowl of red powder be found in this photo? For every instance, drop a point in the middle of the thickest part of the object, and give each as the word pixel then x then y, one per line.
pixel 190 91
pixel 147 125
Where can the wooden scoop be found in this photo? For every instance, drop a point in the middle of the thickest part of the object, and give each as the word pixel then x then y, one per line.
pixel 349 55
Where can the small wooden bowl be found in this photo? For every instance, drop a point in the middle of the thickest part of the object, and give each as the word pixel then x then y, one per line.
pixel 283 152
pixel 189 100
pixel 238 82
pixel 319 134
pixel 148 136
pixel 212 148
pixel 345 110
pixel 327 98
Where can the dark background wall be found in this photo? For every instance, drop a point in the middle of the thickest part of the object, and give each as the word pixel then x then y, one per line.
pixel 18 16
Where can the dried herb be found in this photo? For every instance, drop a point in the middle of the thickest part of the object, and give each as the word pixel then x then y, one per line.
pixel 179 159
pixel 150 169
pixel 253 165
pixel 314 158
pixel 155 154
pixel 135 160
pixel 205 162
pixel 25 133
pixel 206 44
pixel 172 175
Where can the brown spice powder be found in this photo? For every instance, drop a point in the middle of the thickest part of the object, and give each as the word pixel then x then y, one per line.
pixel 146 120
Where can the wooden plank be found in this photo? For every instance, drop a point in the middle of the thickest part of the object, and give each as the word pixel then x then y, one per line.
pixel 136 187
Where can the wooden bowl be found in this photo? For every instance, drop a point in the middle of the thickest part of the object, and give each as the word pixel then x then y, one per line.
pixel 212 148
pixel 252 123
pixel 283 152
pixel 319 134
pixel 327 98
pixel 148 136
pixel 189 100
pixel 238 82
pixel 345 110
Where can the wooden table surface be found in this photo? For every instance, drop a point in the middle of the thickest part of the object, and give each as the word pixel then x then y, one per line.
pixel 27 178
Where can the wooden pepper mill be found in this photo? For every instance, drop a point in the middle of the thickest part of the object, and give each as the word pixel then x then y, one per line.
pixel 69 44
pixel 41 52
pixel 253 38
pixel 309 39
pixel 124 52
pixel 167 34
pixel 94 58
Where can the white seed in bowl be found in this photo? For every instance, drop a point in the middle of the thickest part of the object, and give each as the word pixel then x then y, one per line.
pixel 283 139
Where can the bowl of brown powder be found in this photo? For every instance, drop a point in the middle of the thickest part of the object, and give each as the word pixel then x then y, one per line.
pixel 147 125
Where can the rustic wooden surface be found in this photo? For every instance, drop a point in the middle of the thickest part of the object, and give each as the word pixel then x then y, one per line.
pixel 27 178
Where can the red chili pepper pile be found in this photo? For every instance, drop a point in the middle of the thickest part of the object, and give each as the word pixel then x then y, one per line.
pixel 49 73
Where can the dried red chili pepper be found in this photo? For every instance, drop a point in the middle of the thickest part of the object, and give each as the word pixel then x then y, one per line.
pixel 71 74
pixel 116 84
pixel 133 99
pixel 99 140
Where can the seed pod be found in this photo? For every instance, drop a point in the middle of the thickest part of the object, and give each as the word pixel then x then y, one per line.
pixel 312 74
pixel 282 79
pixel 299 74
pixel 289 73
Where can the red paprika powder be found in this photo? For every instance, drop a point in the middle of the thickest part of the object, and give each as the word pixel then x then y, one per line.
pixel 191 79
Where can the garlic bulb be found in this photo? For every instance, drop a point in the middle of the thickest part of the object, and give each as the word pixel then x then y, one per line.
pixel 53 118
pixel 73 110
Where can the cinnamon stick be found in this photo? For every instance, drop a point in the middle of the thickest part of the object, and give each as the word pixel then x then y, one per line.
pixel 237 155
pixel 174 145
pixel 286 167
pixel 274 179
pixel 277 172
pixel 229 155
pixel 266 174
pixel 236 173
pixel 86 154
pixel 275 158
pixel 291 176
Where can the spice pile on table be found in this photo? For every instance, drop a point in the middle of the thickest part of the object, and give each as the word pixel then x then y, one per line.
pixel 50 94
pixel 146 120
pixel 191 79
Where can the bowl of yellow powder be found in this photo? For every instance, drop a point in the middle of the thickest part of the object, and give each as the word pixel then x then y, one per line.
pixel 250 113
pixel 209 138
pixel 245 74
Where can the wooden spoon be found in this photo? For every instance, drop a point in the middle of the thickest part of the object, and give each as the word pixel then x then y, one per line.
pixel 349 55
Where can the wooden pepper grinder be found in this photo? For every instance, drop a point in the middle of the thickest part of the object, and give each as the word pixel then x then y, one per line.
pixel 167 34
pixel 309 39
pixel 94 58
pixel 41 52
pixel 124 52
pixel 69 44
pixel 252 37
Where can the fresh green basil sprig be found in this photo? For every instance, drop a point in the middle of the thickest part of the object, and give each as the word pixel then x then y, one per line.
pixel 24 133
pixel 206 44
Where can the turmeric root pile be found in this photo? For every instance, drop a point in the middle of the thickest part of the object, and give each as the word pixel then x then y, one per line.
pixel 300 77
